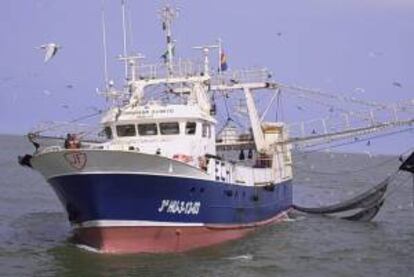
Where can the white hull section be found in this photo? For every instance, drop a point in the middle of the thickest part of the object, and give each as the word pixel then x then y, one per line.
pixel 72 162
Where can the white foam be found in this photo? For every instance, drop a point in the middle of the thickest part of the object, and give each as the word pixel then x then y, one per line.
pixel 293 219
pixel 88 248
pixel 289 219
pixel 246 257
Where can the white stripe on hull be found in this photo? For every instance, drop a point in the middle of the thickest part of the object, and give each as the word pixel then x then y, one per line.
pixel 134 223
pixel 146 223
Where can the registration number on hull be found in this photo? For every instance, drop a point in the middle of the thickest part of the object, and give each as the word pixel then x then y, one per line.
pixel 179 207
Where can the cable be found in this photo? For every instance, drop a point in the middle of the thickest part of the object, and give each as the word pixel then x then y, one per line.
pixel 332 96
pixel 359 140
pixel 346 171
pixel 72 121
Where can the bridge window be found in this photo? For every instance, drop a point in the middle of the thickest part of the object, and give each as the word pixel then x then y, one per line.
pixel 126 130
pixel 169 128
pixel 190 128
pixel 206 130
pixel 149 129
pixel 108 132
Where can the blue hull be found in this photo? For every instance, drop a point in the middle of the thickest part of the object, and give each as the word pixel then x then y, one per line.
pixel 130 197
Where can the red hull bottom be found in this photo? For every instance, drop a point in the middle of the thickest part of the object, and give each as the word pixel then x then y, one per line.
pixel 126 240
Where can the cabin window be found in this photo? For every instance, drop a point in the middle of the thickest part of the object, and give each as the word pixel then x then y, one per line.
pixel 108 132
pixel 169 128
pixel 126 130
pixel 190 128
pixel 206 130
pixel 149 129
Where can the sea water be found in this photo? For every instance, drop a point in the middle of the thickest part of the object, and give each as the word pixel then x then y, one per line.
pixel 35 235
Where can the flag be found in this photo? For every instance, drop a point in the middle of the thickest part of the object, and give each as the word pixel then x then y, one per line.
pixel 165 55
pixel 223 62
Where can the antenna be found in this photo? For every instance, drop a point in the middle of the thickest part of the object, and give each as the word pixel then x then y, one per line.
pixel 132 62
pixel 105 49
pixel 130 34
pixel 206 50
pixel 124 32
pixel 168 14
pixel 220 52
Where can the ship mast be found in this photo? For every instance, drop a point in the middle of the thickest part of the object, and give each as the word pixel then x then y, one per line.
pixel 124 35
pixel 105 47
pixel 168 14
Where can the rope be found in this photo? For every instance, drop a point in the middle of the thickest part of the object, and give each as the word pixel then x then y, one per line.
pixel 228 117
pixel 359 140
pixel 332 96
pixel 357 114
pixel 69 122
pixel 346 171
pixel 398 186
pixel 408 151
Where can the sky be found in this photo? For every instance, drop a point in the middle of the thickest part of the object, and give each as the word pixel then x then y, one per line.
pixel 334 45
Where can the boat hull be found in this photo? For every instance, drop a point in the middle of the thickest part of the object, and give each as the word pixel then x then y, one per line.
pixel 147 208
pixel 126 240
pixel 139 213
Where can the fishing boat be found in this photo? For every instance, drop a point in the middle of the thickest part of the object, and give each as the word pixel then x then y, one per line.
pixel 165 178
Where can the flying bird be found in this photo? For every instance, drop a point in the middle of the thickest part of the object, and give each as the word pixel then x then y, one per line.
pixel 359 90
pixel 46 92
pixel 397 84
pixel 374 54
pixel 50 50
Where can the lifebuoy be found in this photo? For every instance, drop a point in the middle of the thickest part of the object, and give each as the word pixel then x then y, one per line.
pixel 182 158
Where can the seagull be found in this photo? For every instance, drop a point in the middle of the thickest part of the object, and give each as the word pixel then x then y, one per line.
pixel 359 90
pixel 369 154
pixel 374 54
pixel 397 84
pixel 50 49
pixel 46 92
